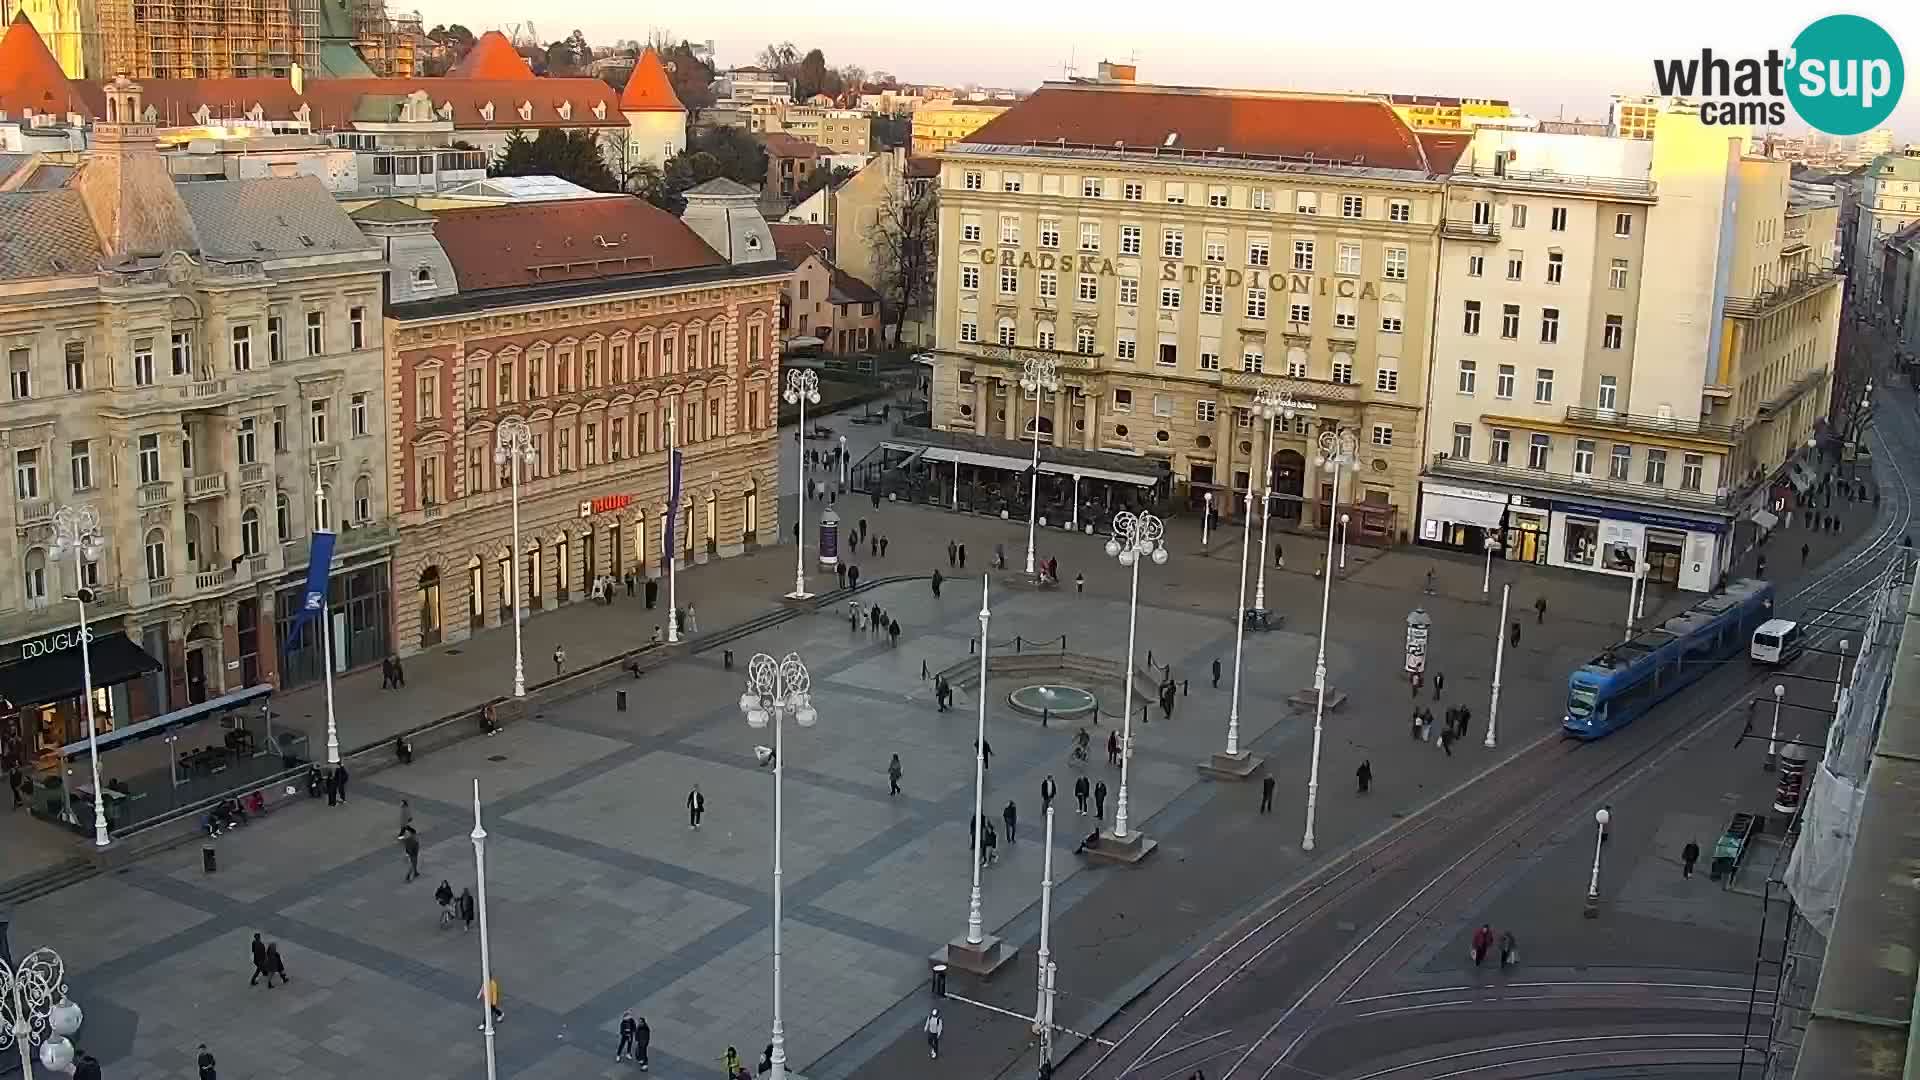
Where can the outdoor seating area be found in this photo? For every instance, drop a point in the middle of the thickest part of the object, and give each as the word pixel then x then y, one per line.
pixel 972 473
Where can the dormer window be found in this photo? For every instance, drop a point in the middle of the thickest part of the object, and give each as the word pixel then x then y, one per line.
pixel 202 115
pixel 486 112
pixel 566 110
pixel 257 113
pixel 423 277
pixel 445 110
pixel 599 110
pixel 526 110
pixel 753 242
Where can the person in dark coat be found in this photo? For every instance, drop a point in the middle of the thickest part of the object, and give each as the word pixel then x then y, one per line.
pixel 696 806
pixel 1482 940
pixel 893 632
pixel 853 577
pixel 642 1038
pixel 399 673
pixel 333 789
pixel 1513 636
pixel 937 579
pixel 1266 794
pixel 1100 800
pixel 410 843
pixel 275 965
pixel 653 593
pixel 1688 856
pixel 340 780
pixel 205 1063
pixel 1216 673
pixel 893 775
pixel 1047 791
pixel 1113 748
pixel 1364 774
pixel 952 555
pixel 259 962
pixel 1081 789
pixel 386 673
pixel 1010 814
pixel 963 556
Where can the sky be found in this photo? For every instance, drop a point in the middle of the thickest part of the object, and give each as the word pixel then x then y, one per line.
pixel 1550 59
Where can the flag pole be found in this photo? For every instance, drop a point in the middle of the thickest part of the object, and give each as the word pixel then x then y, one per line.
pixel 326 618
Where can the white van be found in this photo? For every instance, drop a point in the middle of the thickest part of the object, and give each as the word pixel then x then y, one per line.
pixel 1777 641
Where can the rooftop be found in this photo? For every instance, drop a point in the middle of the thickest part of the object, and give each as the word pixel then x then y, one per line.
pixel 492 57
pixel 495 247
pixel 648 88
pixel 795 242
pixel 847 289
pixel 785 145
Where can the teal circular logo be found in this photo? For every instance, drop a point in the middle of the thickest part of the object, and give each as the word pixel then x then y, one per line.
pixel 1846 76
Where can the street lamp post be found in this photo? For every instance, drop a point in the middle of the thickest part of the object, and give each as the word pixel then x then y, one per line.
pixel 1600 819
pixel 1634 585
pixel 1206 518
pixel 1134 536
pixel 1840 677
pixel 77 530
pixel 1499 654
pixel 803 387
pixel 1240 627
pixel 976 929
pixel 1337 451
pixel 34 1009
pixel 1343 540
pixel 1044 965
pixel 1274 405
pixel 774 688
pixel 479 837
pixel 1773 736
pixel 513 447
pixel 1491 545
pixel 1038 375
pixel 846 473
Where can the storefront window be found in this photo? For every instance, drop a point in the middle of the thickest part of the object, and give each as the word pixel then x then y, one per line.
pixel 1583 541
pixel 357 606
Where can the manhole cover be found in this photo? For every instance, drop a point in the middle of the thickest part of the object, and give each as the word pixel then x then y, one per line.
pixel 496 757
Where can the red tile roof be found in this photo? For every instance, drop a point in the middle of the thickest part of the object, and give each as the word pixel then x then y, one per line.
pixel 1338 129
pixel 920 168
pixel 494 247
pixel 785 145
pixel 794 241
pixel 336 103
pixel 847 289
pixel 492 57
pixel 648 88
pixel 30 78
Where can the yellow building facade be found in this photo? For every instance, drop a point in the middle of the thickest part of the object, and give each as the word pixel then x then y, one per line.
pixel 936 124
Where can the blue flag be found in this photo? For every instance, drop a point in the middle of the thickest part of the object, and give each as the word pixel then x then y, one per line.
pixel 673 504
pixel 314 606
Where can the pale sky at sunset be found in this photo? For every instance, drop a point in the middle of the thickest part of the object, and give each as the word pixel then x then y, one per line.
pixel 1540 55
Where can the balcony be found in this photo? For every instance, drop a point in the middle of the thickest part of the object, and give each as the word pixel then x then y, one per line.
pixel 1460 229
pixel 1303 389
pixel 253 474
pixel 154 592
pixel 1547 180
pixel 1453 468
pixel 326 454
pixel 1614 420
pixel 106 603
pixel 211 579
pixel 204 389
pixel 1756 307
pixel 155 494
pixel 33 512
pixel 210 486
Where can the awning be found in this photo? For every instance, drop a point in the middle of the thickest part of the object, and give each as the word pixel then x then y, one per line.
pixel 1459 511
pixel 1764 519
pixel 1147 477
pixel 57 676
pixel 159 725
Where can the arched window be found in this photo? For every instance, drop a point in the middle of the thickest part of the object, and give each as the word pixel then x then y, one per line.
pixel 475 591
pixel 36 577
pixel 1007 332
pixel 250 532
pixel 323 510
pixel 716 344
pixel 1043 334
pixel 283 516
pixel 193 540
pixel 363 499
pixel 1083 340
pixel 156 555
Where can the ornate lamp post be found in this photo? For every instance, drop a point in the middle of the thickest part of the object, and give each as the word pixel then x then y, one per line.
pixel 803 387
pixel 76 530
pixel 1773 736
pixel 774 688
pixel 479 837
pixel 1038 375
pixel 1337 451
pixel 1135 536
pixel 513 447
pixel 1275 405
pixel 34 1009
pixel 1600 819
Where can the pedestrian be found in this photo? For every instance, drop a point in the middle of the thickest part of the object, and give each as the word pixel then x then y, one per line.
pixel 1482 940
pixel 1010 814
pixel 1266 794
pixel 333 790
pixel 691 625
pixel 16 781
pixel 840 571
pixel 1688 856
pixel 1429 581
pixel 1804 549
pixel 873 546
pixel 1466 715
pixel 696 806
pixel 1439 682
pixel 986 752
pixel 1100 801
pixel 1079 583
pixel 963 556
pixel 629 583
pixel 259 962
pixel 340 780
pixel 1539 609
pixel 559 660
pixel 1509 950
pixel 1113 748
pixel 467 908
pixel 853 577
pixel 1279 555
pixel 1081 788
pixel 1446 741
pixel 399 674
pixel 205 1062
pixel 386 673
pixel 653 587
pixel 999 556
pixel 1415 680
pixel 1364 774
pixel 275 965
pixel 627 1026
pixel 893 631
pixel 1418 726
pixel 952 556
pixel 893 775
pixel 410 843
pixel 490 993
pixel 933 1027
pixel 937 579
pixel 642 1037
pixel 989 846
pixel 883 547
pixel 1513 636
pixel 1047 791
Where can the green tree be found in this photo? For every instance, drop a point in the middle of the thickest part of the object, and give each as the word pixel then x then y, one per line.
pixel 813 76
pixel 687 169
pixel 818 179
pixel 570 155
pixel 740 156
pixel 692 80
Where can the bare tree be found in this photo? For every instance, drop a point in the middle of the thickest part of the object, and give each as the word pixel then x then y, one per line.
pixel 904 234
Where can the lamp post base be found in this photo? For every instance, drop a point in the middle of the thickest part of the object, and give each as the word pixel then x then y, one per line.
pixel 1126 852
pixel 1768 764
pixel 1308 698
pixel 980 961
pixel 799 594
pixel 1225 766
pixel 1592 908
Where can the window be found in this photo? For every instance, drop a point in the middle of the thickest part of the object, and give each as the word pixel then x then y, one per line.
pixel 1213 299
pixel 1657 468
pixel 1256 303
pixel 1125 347
pixel 1209 361
pixel 1306 202
pixel 1519 215
pixel 1262 199
pixel 20 373
pixel 26 474
pixel 1216 248
pixel 970 277
pixel 1170 298
pixel 1345 315
pixel 1382 435
pixel 180 346
pixel 1609 391
pixel 1469 375
pixel 1217 197
pixel 1090 289
pixel 1049 285
pixel 357 326
pixel 1543 385
pixel 1539 448
pixel 1122 399
pixel 1129 239
pixel 1617 274
pixel 36 577
pixel 970 232
pixel 1296 363
pixel 1386 379
pixel 1092 187
pixel 1510 321
pixel 1613 332
pixel 1353 206
pixel 1169 354
pixel 1500 447
pixel 1556 267
pixel 245 447
pixel 1049 233
pixel 1006 332
pixel 1343 369
pixel 156 552
pixel 1463 441
pixel 1302 255
pixel 1396 264
pixel 1620 464
pixel 1483 213
pixel 1300 313
pixel 1043 337
pixel 1583 457
pixel 1010 182
pixel 1390 324
pixel 1623 224
pixel 279 429
pixel 186 453
pixel 1503 382
pixel 357 414
pixel 1009 229
pixel 149 459
pixel 1133 191
pixel 1549 325
pixel 250 532
pixel 1692 466
pixel 1471 323
pixel 1399 210
pixel 1516 265
pixel 273 339
pixel 316 332
pixel 537 366
pixel 1173 243
pixel 1205 412
pixel 973 181
pixel 143 362
pixel 1083 340
pixel 1349 260
pixel 1089 236
pixel 1009 280
pixel 80 462
pixel 1176 193
pixel 317 420
pixel 76 366
pixel 1253 361
pixel 282 517
pixel 1476 265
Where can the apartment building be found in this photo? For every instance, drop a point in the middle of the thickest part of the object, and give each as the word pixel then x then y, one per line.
pixel 940 123
pixel 1424 112
pixel 1889 202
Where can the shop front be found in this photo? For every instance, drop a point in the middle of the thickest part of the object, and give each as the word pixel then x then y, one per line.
pixel 1688 553
pixel 1460 518
pixel 359 613
pixel 1528 519
pixel 43 695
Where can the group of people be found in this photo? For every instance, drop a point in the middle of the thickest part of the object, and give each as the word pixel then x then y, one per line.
pixel 1453 729
pixel 736 1069
pixel 635 1038
pixel 332 781
pixel 1483 940
pixel 392 675
pixel 266 962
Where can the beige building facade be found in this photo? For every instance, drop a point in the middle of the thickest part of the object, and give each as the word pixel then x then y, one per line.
pixel 940 123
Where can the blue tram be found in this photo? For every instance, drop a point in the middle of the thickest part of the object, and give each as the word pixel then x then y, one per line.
pixel 1627 679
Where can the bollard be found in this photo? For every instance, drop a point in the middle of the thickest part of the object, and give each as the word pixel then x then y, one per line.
pixel 939 981
pixel 726 659
pixel 1016 643
pixel 1045 715
pixel 619 701
pixel 209 861
pixel 973 645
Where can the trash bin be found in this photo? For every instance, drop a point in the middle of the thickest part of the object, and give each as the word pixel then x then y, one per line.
pixel 939 980
pixel 209 861
pixel 620 701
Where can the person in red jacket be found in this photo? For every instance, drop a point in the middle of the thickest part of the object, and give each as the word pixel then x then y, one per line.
pixel 1482 941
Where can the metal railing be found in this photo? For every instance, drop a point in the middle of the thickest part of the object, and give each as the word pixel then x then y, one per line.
pixel 1461 229
pixel 158 493
pixel 1446 465
pixel 1547 178
pixel 1662 425
pixel 1753 307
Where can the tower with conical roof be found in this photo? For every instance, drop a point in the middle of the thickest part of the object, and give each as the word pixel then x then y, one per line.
pixel 492 57
pixel 656 120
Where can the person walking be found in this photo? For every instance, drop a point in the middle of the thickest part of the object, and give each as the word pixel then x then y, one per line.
pixel 989 846
pixel 15 782
pixel 259 962
pixel 893 775
pixel 1439 683
pixel 1466 717
pixel 1446 741
pixel 621 1052
pixel 986 752
pixel 691 624
pixel 1216 673
pixel 853 577
pixel 275 965
pixel 1081 789
pixel 333 790
pixel 1513 636
pixel 1364 774
pixel 340 780
pixel 1509 950
pixel 1482 940
pixel 840 571
pixel 1266 794
pixel 1279 556
pixel 937 580
pixel 963 556
pixel 696 806
pixel 1688 856
pixel 1539 609
pixel 893 633
pixel 1010 814
pixel 386 673
pixel 952 556
pixel 490 993
pixel 1047 791
pixel 205 1063
pixel 642 1038
pixel 410 843
pixel 1100 801
pixel 467 908
pixel 1804 550
pixel 933 1027
pixel 559 661
pixel 1113 748
pixel 883 547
